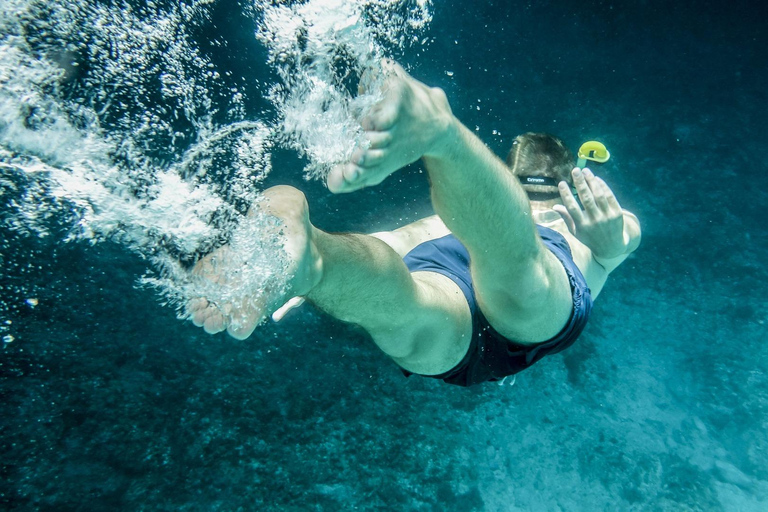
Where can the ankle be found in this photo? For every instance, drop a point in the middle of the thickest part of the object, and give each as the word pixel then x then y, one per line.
pixel 311 270
pixel 444 144
pixel 323 263
pixel 445 140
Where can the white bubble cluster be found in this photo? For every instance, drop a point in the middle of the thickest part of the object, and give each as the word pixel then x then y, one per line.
pixel 323 50
pixel 96 154
pixel 247 274
pixel 110 122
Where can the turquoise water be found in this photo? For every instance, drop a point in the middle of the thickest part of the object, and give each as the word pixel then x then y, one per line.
pixel 111 403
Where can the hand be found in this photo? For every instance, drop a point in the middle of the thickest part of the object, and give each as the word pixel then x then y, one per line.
pixel 600 225
pixel 295 302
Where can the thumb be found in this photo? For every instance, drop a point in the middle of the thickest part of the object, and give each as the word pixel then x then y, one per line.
pixel 566 216
pixel 285 308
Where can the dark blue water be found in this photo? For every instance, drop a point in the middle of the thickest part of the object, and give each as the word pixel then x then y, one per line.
pixel 110 403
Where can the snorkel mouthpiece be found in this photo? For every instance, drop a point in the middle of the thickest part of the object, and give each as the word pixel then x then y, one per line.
pixel 593 151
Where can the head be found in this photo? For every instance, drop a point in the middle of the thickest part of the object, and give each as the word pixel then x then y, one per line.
pixel 540 155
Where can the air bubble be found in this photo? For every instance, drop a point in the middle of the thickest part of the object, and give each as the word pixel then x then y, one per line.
pixel 148 86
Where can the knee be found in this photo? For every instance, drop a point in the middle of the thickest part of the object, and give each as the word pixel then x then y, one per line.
pixel 284 202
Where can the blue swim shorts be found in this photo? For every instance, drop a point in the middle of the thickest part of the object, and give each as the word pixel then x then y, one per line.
pixel 490 356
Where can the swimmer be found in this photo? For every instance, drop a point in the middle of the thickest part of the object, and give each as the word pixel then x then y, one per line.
pixel 503 275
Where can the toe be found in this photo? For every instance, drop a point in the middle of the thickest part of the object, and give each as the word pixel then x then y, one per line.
pixel 201 315
pixel 241 332
pixel 198 319
pixel 245 319
pixel 371 158
pixel 196 306
pixel 379 140
pixel 214 323
pixel 343 178
pixel 243 327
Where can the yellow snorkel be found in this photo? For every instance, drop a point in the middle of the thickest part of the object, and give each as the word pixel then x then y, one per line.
pixel 593 151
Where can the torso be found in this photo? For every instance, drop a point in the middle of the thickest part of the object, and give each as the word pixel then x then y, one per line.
pixel 406 238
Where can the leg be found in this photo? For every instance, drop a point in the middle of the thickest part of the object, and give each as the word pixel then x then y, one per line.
pixel 521 287
pixel 417 319
pixel 402 240
pixel 421 320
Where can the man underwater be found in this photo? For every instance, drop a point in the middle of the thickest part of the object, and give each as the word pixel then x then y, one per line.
pixel 503 275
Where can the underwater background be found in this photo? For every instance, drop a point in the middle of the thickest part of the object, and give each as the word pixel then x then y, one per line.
pixel 109 402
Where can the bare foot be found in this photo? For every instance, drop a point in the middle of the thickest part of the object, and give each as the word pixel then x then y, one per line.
pixel 407 124
pixel 242 310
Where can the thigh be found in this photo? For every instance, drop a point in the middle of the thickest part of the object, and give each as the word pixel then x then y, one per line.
pixel 438 341
pixel 404 239
pixel 528 302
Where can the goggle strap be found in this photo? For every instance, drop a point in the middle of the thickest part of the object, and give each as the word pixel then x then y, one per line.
pixel 538 180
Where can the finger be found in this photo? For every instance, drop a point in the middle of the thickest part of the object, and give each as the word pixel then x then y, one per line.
pixel 585 193
pixel 368 120
pixel 598 189
pixel 589 177
pixel 366 80
pixel 383 114
pixel 372 74
pixel 285 308
pixel 563 211
pixel 610 197
pixel 570 203
pixel 599 192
